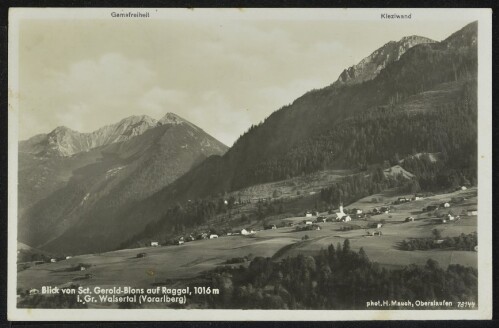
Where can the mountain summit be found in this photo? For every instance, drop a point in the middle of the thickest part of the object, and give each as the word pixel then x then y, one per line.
pixel 369 67
pixel 71 180
pixel 63 141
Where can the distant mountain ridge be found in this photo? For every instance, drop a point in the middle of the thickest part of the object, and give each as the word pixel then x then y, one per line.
pixel 64 141
pixel 369 67
pixel 115 165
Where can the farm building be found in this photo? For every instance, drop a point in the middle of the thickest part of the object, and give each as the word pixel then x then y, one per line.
pixel 154 244
pixel 379 225
pixel 213 236
pixel 321 219
pixel 401 200
pixel 308 214
pixel 472 212
pixel 438 241
pixel 385 209
pixel 53 260
pixel 346 218
pixel 449 217
pixel 244 232
pixel 180 242
pixel 409 219
pixel 445 205
pixel 308 222
pixel 68 257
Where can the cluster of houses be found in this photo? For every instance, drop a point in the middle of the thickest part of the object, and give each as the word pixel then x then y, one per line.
pixel 380 210
pixel 202 236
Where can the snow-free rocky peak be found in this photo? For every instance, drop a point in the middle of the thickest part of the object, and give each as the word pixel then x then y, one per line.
pixel 171 118
pixel 63 141
pixel 369 67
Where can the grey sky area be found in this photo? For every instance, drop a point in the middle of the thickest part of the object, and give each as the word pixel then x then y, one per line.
pixel 222 75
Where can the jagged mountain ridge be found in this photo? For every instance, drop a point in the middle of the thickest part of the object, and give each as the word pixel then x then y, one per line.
pixel 369 67
pixel 63 141
pixel 104 178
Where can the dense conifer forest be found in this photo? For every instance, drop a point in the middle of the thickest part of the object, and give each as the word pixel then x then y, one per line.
pixel 336 278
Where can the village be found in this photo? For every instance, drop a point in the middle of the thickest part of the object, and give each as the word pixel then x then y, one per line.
pixel 379 227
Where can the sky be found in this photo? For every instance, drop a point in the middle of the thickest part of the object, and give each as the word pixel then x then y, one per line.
pixel 221 74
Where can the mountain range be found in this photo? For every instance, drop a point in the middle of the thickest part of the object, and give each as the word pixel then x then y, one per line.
pixel 411 96
pixel 64 175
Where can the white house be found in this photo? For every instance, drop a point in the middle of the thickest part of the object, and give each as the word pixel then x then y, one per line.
pixel 244 232
pixel 308 222
pixel 472 212
pixel 308 215
pixel 347 218
pixel 53 260
pixel 445 205
pixel 154 243
pixel 358 211
pixel 379 225
pixel 449 217
pixel 180 242
pixel 213 236
pixel 68 257
pixel 463 188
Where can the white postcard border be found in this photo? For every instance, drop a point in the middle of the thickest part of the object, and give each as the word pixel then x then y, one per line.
pixel 484 311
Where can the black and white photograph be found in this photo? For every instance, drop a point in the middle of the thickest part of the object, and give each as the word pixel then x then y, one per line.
pixel 276 161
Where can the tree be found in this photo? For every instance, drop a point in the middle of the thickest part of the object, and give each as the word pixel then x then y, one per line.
pixel 346 246
pixel 436 234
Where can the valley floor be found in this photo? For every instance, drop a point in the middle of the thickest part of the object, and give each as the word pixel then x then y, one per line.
pixel 172 264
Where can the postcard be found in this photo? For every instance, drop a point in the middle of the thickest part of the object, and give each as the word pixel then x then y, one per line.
pixel 249 164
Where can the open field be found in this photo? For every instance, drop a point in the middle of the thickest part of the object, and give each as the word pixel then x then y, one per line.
pixel 123 268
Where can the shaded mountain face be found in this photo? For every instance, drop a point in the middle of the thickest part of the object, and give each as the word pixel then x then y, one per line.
pixel 369 67
pixel 104 178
